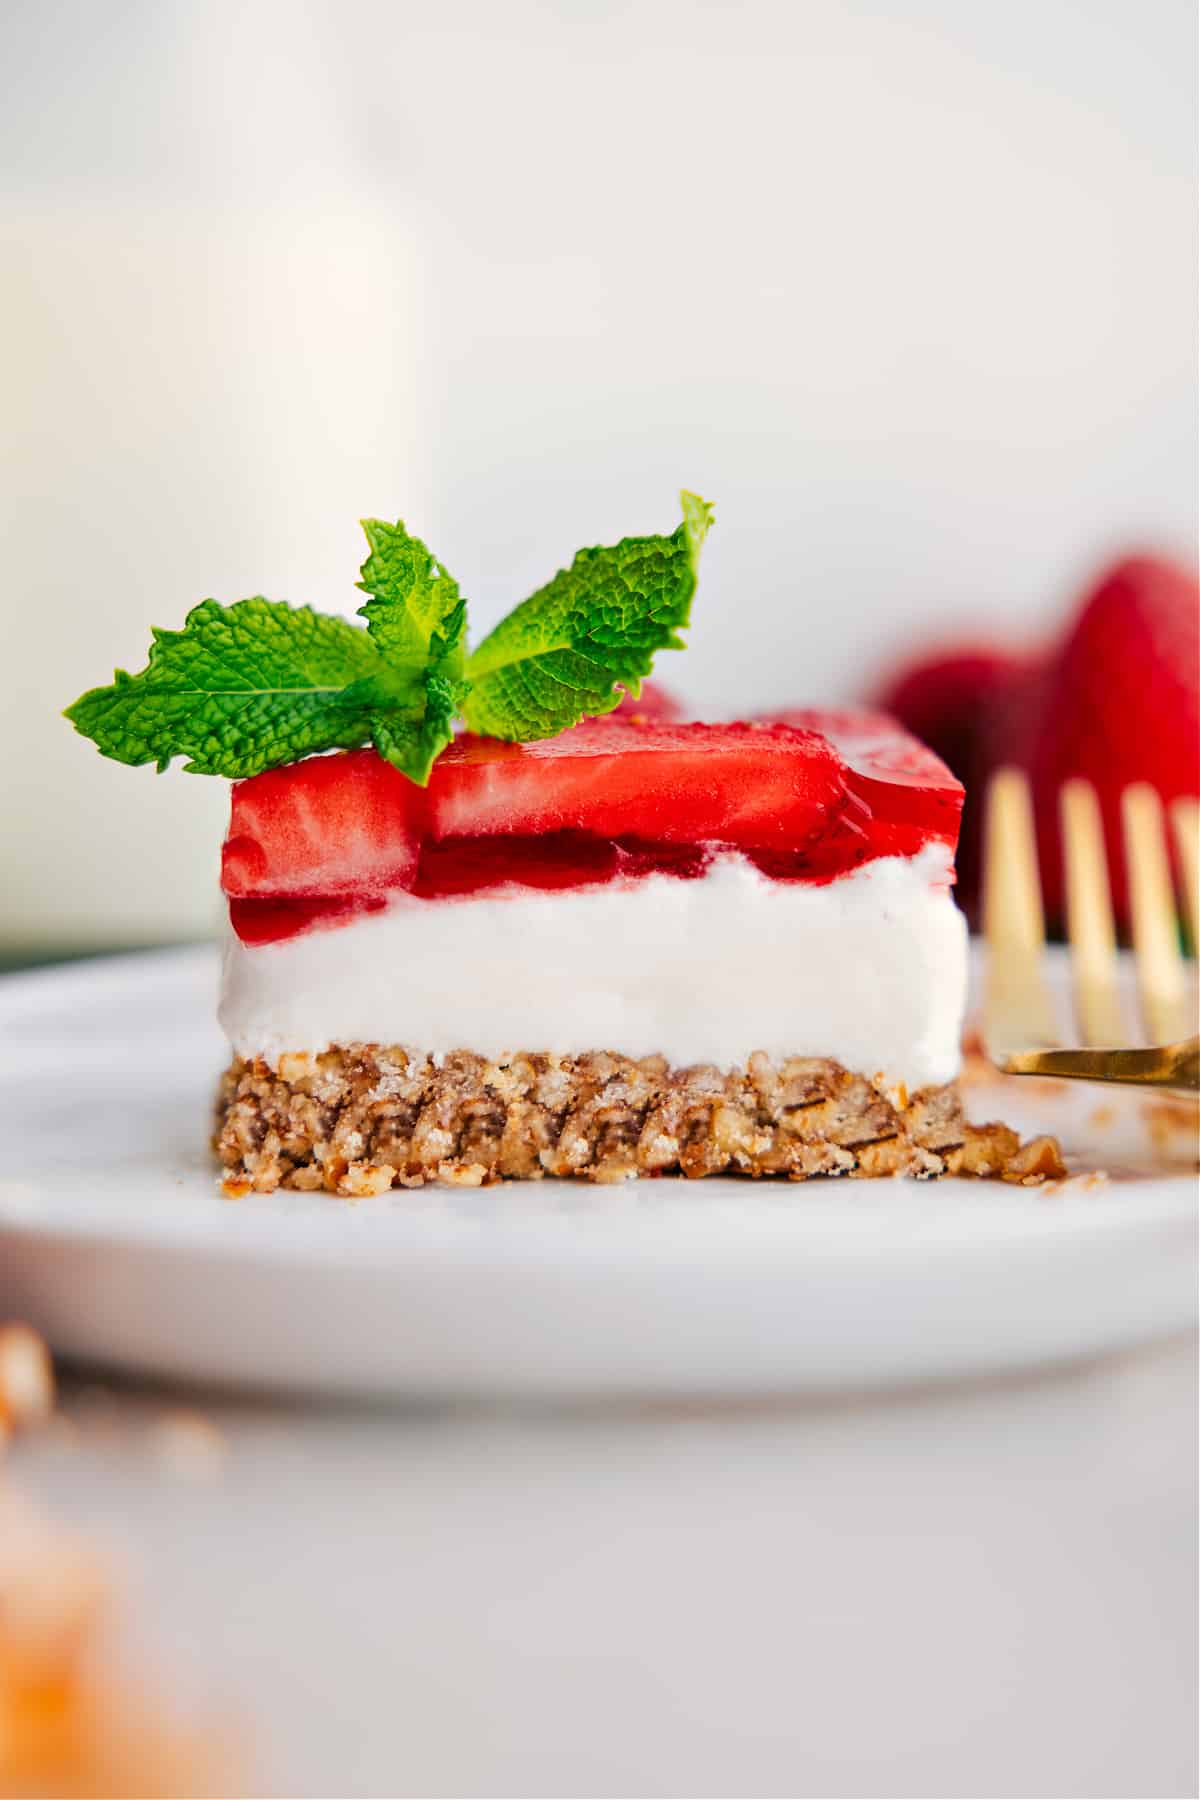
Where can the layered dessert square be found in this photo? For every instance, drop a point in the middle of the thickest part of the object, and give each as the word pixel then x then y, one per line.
pixel 640 948
pixel 498 913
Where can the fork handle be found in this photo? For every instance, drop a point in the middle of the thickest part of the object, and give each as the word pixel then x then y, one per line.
pixel 1160 1066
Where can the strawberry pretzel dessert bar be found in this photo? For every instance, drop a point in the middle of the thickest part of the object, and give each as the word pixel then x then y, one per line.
pixel 580 937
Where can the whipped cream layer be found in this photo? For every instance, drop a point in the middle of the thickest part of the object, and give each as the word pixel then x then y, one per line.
pixel 870 969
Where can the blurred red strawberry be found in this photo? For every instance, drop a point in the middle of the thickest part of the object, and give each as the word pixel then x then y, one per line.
pixel 943 699
pixel 1117 700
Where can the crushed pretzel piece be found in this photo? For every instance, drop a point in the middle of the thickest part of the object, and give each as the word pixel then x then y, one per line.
pixel 1039 1160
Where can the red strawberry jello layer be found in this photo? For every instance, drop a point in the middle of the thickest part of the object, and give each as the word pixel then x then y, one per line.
pixel 641 887
pixel 807 797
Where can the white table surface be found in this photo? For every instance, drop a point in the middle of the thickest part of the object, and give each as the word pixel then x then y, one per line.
pixel 985 1590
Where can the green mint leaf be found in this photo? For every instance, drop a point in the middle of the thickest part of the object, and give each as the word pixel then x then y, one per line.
pixel 240 689
pixel 415 614
pixel 567 652
pixel 418 618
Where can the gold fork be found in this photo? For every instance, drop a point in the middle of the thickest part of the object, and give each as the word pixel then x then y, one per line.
pixel 1019 1027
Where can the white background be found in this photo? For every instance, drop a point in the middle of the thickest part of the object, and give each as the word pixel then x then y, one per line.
pixel 908 290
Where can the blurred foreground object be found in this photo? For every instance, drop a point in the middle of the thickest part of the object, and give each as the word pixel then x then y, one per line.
pixel 1020 1029
pixel 1115 700
pixel 68 1731
pixel 26 1379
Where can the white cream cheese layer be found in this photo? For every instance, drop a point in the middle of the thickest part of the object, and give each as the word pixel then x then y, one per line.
pixel 870 969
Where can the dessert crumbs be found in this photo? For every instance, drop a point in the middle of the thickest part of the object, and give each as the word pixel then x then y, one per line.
pixel 361 1119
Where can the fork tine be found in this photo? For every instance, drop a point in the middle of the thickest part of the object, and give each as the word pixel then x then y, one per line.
pixel 1090 916
pixel 1017 1008
pixel 1161 984
pixel 1185 826
pixel 1012 893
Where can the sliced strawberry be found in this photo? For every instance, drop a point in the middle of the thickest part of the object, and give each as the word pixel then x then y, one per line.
pixel 348 824
pixel 910 794
pixel 558 859
pixel 270 920
pixel 613 799
pixel 742 785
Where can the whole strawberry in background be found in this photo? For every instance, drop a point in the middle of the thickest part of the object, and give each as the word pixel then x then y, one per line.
pixel 1116 699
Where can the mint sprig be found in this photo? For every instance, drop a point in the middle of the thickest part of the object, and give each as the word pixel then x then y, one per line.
pixel 247 687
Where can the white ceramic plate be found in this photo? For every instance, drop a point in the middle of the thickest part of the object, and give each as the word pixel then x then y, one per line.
pixel 114 1240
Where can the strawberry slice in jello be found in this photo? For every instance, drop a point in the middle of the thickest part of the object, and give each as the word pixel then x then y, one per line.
pixel 805 797
pixel 912 797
